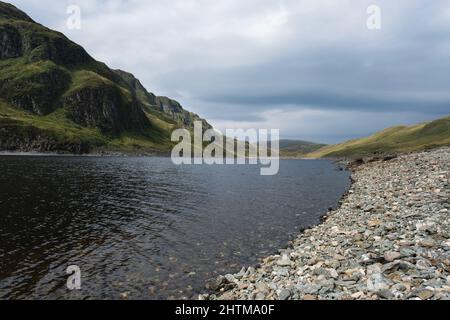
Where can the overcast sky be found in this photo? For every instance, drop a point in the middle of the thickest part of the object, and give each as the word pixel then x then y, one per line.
pixel 311 68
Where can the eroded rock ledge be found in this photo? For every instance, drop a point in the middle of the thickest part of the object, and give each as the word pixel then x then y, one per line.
pixel 390 239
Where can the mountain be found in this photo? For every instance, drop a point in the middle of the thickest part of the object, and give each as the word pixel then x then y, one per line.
pixel 297 148
pixel 394 140
pixel 54 97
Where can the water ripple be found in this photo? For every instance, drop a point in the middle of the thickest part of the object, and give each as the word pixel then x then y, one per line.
pixel 144 227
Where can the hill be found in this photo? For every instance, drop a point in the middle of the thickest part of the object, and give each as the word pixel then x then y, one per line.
pixel 400 139
pixel 54 97
pixel 298 148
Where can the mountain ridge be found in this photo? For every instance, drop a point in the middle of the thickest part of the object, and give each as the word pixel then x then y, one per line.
pixel 291 148
pixel 47 78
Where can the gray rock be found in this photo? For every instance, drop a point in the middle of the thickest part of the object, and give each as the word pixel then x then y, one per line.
pixel 260 296
pixel 309 289
pixel 230 278
pixel 377 282
pixel 285 262
pixel 386 294
pixel 345 283
pixel 406 252
pixel 423 294
pixel 427 243
pixel 391 256
pixel 284 294
pixel 283 272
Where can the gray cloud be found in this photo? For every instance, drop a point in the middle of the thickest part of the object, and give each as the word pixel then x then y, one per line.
pixel 308 67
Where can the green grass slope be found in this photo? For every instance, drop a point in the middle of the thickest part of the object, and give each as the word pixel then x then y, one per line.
pixel 401 139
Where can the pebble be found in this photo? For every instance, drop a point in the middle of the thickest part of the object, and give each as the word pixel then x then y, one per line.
pixel 284 294
pixel 377 282
pixel 391 256
pixel 260 296
pixel 386 294
pixel 284 263
pixel 428 243
pixel 425 294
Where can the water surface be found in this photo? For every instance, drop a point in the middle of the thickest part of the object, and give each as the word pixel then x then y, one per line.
pixel 143 228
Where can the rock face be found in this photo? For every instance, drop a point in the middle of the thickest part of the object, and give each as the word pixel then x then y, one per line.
pixel 10 43
pixel 38 92
pixel 8 11
pixel 389 240
pixel 165 105
pixel 176 112
pixel 145 97
pixel 17 137
pixel 103 107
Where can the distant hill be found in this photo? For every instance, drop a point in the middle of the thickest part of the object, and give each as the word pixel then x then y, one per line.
pixel 297 148
pixel 54 97
pixel 394 140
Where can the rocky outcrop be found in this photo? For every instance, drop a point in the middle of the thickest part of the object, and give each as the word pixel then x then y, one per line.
pixel 10 42
pixel 17 137
pixel 389 240
pixel 139 91
pixel 41 45
pixel 176 112
pixel 171 108
pixel 8 11
pixel 168 105
pixel 104 107
pixel 26 38
pixel 37 92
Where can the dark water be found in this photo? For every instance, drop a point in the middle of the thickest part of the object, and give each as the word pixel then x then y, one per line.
pixel 142 227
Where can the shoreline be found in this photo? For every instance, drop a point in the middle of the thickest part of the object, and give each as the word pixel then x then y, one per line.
pixel 388 239
pixel 56 154
pixel 120 154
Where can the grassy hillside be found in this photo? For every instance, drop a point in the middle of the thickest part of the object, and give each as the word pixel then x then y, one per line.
pixel 56 133
pixel 297 148
pixel 399 139
pixel 55 97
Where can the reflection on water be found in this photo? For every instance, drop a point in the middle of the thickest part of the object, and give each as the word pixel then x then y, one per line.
pixel 144 228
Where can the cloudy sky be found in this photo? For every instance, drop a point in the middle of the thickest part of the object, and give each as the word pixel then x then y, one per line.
pixel 311 68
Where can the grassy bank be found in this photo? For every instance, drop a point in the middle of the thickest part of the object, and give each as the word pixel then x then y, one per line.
pixel 400 139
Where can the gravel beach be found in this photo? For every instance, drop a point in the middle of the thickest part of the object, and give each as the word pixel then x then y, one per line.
pixel 390 239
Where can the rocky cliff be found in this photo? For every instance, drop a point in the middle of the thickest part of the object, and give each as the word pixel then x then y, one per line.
pixel 168 106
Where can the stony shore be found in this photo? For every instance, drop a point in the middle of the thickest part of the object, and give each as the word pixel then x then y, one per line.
pixel 390 239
